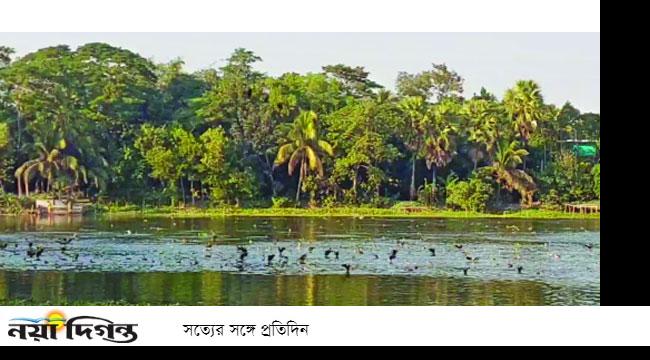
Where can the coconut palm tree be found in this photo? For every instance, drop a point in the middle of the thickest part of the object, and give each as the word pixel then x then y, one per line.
pixel 416 111
pixel 439 142
pixel 48 164
pixel 524 104
pixel 303 147
pixel 507 157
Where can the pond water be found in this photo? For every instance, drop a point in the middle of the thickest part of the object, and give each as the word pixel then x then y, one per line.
pixel 239 261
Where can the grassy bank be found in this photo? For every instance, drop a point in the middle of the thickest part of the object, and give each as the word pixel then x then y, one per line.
pixel 359 212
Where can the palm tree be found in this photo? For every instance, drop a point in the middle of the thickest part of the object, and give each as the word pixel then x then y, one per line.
pixel 48 164
pixel 303 147
pixel 507 157
pixel 524 104
pixel 483 132
pixel 416 111
pixel 439 140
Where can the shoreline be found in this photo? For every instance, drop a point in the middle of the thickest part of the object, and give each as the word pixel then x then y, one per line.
pixel 358 213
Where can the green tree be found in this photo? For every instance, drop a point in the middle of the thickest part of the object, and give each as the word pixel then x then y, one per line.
pixel 49 164
pixel 5 55
pixel 5 154
pixel 508 156
pixel 361 133
pixel 482 127
pixel 438 83
pixel 158 151
pixel 524 104
pixel 417 114
pixel 354 79
pixel 595 172
pixel 439 135
pixel 303 147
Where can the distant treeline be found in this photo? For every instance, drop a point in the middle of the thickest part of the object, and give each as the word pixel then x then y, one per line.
pixel 106 122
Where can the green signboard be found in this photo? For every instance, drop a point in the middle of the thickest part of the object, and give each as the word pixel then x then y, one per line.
pixel 585 150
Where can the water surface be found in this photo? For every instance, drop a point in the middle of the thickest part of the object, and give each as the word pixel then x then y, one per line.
pixel 198 261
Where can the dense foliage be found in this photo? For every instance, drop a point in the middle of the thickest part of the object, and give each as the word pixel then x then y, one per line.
pixel 104 121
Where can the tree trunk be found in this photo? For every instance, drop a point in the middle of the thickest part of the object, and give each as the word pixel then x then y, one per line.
pixel 412 189
pixel 498 194
pixel 302 165
pixel 354 184
pixel 26 180
pixel 475 164
pixel 433 176
pixel 183 190
pixel 268 164
pixel 20 188
pixel 192 191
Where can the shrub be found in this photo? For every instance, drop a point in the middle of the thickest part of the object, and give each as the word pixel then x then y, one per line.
pixel 381 202
pixel 12 204
pixel 281 202
pixel 469 195
pixel 596 174
pixel 572 179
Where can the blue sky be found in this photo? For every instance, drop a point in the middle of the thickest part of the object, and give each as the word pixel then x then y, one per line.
pixel 566 65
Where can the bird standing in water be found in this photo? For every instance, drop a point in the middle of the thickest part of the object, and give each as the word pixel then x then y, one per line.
pixel 243 251
pixel 30 250
pixel 433 251
pixel 269 259
pixel 328 252
pixel 520 269
pixel 302 259
pixel 458 246
pixel 347 269
pixel 392 256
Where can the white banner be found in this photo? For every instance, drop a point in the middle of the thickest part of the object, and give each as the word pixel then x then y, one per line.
pixel 270 325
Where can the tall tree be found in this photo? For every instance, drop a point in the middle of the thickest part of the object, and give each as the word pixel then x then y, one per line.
pixel 417 113
pixel 354 79
pixel 361 132
pixel 482 121
pixel 438 83
pixel 524 104
pixel 5 55
pixel 303 148
pixel 440 128
pixel 506 159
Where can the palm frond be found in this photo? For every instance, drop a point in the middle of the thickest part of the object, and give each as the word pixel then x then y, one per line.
pixel 295 159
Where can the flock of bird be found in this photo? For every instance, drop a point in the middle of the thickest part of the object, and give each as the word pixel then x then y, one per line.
pixel 279 258
pixel 331 254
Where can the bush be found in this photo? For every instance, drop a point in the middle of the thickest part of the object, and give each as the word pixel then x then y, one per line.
pixel 596 174
pixel 551 200
pixel 381 202
pixel 427 194
pixel 12 204
pixel 282 202
pixel 470 195
pixel 571 178
pixel 406 204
